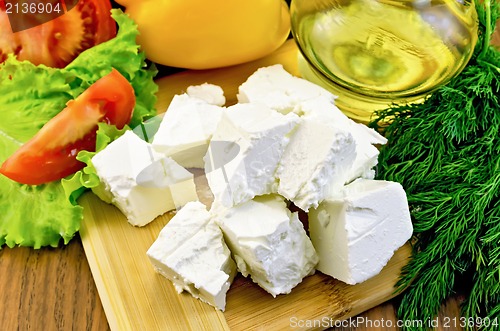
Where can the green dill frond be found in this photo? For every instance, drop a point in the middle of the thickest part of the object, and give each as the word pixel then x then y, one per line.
pixel 445 152
pixel 426 293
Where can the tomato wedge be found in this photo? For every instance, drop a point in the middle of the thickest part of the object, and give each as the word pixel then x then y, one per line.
pixel 51 154
pixel 56 42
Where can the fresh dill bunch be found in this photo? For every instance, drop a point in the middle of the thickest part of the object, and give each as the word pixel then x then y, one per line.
pixel 446 154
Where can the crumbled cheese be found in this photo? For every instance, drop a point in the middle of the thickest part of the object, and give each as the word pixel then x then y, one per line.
pixel 285 139
pixel 186 129
pixel 123 162
pixel 210 93
pixel 276 88
pixel 355 235
pixel 268 243
pixel 244 152
pixel 190 251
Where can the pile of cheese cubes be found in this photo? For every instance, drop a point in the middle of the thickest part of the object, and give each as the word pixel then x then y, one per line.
pixel 284 142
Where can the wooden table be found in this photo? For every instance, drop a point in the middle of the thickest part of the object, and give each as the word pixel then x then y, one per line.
pixel 53 289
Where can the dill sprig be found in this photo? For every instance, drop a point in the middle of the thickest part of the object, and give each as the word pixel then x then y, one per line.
pixel 446 154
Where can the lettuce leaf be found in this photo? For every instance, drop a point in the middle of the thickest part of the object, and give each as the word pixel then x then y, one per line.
pixel 87 178
pixel 30 95
pixel 121 53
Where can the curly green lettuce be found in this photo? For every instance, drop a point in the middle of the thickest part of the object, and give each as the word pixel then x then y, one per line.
pixel 30 96
pixel 87 178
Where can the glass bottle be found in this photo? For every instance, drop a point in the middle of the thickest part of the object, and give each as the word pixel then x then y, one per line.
pixel 372 53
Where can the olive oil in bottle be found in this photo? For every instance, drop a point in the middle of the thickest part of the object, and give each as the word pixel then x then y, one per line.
pixel 372 53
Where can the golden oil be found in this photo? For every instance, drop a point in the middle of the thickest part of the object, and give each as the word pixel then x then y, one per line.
pixel 373 53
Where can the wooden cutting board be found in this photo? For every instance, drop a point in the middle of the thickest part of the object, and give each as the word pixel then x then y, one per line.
pixel 135 297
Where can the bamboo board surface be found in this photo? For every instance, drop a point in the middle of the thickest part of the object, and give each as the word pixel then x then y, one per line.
pixel 135 297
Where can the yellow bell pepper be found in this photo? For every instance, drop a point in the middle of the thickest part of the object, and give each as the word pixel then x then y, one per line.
pixel 203 34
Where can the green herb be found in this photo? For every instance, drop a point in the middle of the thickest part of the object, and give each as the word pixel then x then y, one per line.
pixel 30 96
pixel 446 153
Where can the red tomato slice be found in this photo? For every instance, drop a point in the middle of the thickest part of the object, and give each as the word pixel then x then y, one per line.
pixel 51 154
pixel 58 41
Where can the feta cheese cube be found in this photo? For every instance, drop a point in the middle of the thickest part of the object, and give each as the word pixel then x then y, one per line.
pixel 283 92
pixel 365 138
pixel 190 251
pixel 120 165
pixel 244 152
pixel 355 235
pixel 315 163
pixel 268 243
pixel 186 130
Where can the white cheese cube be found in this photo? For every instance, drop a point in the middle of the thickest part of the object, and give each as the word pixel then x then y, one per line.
pixel 244 152
pixel 283 92
pixel 190 251
pixel 279 90
pixel 315 163
pixel 365 138
pixel 186 130
pixel 357 234
pixel 268 243
pixel 210 93
pixel 120 165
